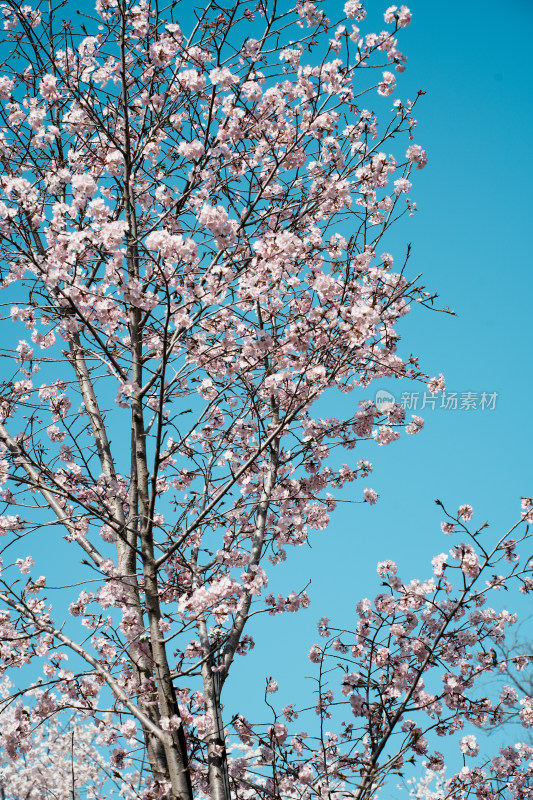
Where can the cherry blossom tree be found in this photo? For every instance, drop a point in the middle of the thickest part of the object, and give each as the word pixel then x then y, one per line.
pixel 413 670
pixel 62 760
pixel 192 208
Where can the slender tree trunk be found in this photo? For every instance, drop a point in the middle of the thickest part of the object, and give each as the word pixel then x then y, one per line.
pixel 219 787
pixel 126 553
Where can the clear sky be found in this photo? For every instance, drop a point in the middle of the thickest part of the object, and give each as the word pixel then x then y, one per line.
pixel 472 240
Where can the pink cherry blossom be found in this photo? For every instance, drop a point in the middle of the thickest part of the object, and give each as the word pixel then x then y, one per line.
pixel 370 496
pixel 437 385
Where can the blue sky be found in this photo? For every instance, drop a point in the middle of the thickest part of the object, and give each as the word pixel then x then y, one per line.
pixel 471 239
